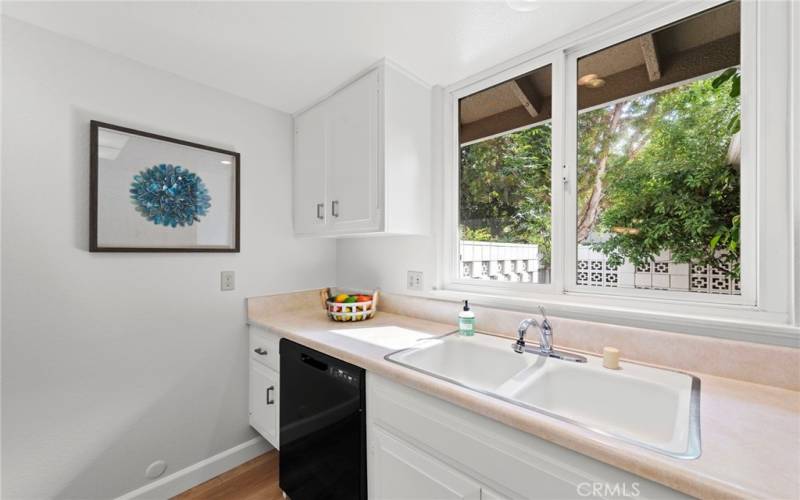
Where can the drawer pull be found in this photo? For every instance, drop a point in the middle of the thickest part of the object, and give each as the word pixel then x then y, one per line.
pixel 260 351
pixel 270 401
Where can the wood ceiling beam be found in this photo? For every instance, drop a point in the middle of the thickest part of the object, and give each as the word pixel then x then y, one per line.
pixel 648 45
pixel 702 60
pixel 527 95
pixel 501 122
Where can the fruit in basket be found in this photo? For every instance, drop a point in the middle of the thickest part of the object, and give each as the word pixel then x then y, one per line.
pixel 345 307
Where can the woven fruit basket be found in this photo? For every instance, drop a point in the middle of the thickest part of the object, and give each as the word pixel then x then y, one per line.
pixel 344 306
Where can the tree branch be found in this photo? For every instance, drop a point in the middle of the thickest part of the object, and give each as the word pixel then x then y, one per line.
pixel 592 210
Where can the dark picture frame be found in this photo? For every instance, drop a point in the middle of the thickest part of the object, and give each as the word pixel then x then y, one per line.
pixel 94 195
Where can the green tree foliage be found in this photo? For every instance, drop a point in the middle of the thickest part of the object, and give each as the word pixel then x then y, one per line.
pixel 652 176
pixel 677 192
pixel 735 78
pixel 505 189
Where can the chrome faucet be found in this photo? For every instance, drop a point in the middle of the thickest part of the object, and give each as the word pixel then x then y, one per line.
pixel 545 340
pixel 519 345
pixel 545 334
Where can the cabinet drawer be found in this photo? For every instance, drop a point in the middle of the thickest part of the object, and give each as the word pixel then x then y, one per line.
pixel 264 348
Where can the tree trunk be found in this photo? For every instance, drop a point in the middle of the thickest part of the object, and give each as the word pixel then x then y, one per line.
pixel 636 144
pixel 734 156
pixel 589 216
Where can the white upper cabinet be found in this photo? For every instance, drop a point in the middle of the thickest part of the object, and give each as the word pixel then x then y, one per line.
pixel 352 153
pixel 362 158
pixel 310 214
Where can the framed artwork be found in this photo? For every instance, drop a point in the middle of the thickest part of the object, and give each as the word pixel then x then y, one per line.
pixel 151 193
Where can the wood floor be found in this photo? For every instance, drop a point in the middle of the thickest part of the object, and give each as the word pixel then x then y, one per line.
pixel 253 480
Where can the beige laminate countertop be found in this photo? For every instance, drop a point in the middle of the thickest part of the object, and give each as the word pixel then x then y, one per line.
pixel 750 433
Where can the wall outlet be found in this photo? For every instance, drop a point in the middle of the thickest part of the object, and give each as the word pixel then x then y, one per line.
pixel 227 280
pixel 414 280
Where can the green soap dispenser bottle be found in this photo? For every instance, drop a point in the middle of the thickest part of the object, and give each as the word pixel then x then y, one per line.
pixel 466 321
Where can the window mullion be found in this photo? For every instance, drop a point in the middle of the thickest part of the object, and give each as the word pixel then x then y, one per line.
pixel 560 219
pixel 570 202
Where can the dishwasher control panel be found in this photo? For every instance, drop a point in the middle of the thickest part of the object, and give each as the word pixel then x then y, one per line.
pixel 343 375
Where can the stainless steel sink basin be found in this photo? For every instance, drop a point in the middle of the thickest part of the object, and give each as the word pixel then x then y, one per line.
pixel 653 408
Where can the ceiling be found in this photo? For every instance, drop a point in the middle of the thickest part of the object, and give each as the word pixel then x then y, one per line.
pixel 287 55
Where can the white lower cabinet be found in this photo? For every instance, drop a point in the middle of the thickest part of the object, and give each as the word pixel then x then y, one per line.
pixel 264 401
pixel 265 384
pixel 406 473
pixel 487 494
pixel 423 448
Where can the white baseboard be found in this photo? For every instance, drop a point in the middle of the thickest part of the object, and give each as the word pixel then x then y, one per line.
pixel 198 473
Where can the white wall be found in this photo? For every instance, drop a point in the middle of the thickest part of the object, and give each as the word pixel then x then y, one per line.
pixel 111 361
pixel 383 262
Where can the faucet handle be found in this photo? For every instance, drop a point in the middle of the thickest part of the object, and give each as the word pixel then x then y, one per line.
pixel 545 321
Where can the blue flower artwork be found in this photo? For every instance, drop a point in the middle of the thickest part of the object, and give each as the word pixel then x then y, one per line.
pixel 170 195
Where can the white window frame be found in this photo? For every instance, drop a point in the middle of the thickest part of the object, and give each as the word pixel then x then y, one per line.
pixel 747 170
pixel 767 282
pixel 556 127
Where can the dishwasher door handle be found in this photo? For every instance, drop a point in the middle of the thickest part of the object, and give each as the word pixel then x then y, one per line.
pixel 319 365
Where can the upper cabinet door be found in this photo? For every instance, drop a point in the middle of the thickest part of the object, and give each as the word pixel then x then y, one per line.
pixel 362 158
pixel 352 154
pixel 310 207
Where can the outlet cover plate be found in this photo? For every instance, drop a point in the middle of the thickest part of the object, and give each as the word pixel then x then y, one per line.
pixel 414 280
pixel 227 281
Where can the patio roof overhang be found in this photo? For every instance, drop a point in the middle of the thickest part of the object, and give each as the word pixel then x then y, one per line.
pixel 688 49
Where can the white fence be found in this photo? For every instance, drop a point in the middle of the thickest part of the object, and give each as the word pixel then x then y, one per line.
pixel 489 260
pixel 521 263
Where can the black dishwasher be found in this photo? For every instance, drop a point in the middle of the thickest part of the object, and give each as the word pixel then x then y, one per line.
pixel 323 452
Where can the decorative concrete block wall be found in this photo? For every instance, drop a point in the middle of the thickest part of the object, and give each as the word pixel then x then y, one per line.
pixel 521 263
pixel 502 262
pixel 661 274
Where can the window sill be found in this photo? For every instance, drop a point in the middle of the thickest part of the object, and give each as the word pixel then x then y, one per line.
pixel 732 322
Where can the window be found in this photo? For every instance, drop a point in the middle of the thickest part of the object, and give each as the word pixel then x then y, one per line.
pixel 658 159
pixel 651 198
pixel 688 226
pixel 505 165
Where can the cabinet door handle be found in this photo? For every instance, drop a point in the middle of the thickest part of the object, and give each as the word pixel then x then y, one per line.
pixel 260 351
pixel 320 209
pixel 335 208
pixel 270 401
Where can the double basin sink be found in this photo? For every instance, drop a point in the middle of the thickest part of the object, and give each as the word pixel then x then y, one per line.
pixel 649 407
